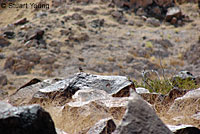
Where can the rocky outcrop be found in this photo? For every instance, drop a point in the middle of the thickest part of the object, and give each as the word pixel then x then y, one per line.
pixel 25 120
pixel 116 86
pixel 140 118
pixel 61 91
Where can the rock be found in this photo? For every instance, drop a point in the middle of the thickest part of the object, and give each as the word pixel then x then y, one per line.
pixel 104 126
pixel 31 82
pixel 97 23
pixel 119 17
pixel 10 61
pixel 89 112
pixel 3 80
pixel 62 91
pixel 47 59
pixel 58 131
pixel 116 14
pixel 140 118
pixel 196 116
pixel 57 3
pixel 141 90
pixel 89 95
pixel 31 56
pixel 131 22
pixel 26 120
pixel 173 21
pixel 21 22
pixel 38 35
pixel 4 42
pixel 2 56
pixel 25 93
pixel 81 24
pixel 184 129
pixel 79 37
pixel 4 107
pixel 89 12
pixel 77 16
pixel 153 22
pixel 188 102
pixel 9 34
pixel 157 12
pixel 173 12
pixel 22 67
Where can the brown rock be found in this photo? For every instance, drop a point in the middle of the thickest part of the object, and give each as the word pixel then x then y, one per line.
pixel 76 16
pixel 31 82
pixel 10 61
pixel 24 95
pixel 22 67
pixel 4 42
pixel 57 3
pixel 38 34
pixel 31 56
pixel 79 37
pixel 3 80
pixel 89 12
pixel 81 24
pixel 153 22
pixel 173 21
pixel 48 59
pixel 156 11
pixel 21 22
pixel 173 12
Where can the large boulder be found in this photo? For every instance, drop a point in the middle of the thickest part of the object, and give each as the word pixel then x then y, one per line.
pixel 25 93
pixel 189 102
pixel 140 118
pixel 26 120
pixel 62 91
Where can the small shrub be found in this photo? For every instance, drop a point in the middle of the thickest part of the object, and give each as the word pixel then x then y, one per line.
pixel 148 44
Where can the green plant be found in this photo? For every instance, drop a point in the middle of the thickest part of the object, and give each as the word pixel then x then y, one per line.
pixel 148 44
